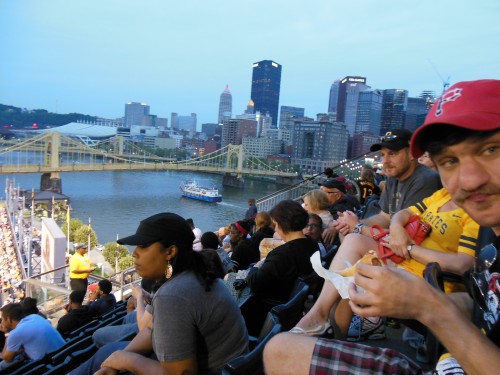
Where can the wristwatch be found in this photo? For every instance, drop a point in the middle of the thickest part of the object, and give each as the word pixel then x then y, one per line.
pixel 357 228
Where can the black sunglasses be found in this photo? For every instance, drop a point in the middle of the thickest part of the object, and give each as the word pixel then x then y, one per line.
pixel 388 137
pixel 479 284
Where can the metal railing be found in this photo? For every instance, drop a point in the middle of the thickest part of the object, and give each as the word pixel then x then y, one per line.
pixel 297 190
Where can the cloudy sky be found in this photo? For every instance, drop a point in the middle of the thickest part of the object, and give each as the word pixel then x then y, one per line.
pixel 94 56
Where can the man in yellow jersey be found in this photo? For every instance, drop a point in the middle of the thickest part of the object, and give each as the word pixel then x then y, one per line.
pixel 79 268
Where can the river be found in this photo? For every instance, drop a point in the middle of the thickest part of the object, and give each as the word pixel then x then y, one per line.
pixel 116 201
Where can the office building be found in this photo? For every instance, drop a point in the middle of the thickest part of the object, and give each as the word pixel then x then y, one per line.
pixel 233 131
pixel 361 143
pixel 394 102
pixel 334 97
pixel 261 147
pixel 187 123
pixel 344 99
pixel 209 129
pixel 318 144
pixel 369 112
pixel 266 82
pixel 136 114
pixel 416 111
pixel 287 114
pixel 225 105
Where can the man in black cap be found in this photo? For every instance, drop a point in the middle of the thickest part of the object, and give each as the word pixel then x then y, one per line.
pixel 408 182
pixel 337 196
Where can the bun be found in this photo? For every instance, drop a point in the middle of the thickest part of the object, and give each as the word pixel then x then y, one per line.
pixel 371 258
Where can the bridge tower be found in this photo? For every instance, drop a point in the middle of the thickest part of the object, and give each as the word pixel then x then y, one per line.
pixel 52 181
pixel 234 179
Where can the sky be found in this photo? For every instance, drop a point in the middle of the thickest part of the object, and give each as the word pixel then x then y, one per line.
pixel 94 56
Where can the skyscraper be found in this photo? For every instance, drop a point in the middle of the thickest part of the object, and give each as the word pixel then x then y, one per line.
pixel 394 103
pixel 266 82
pixel 135 114
pixel 225 105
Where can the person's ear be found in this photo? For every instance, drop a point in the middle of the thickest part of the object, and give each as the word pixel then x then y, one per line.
pixel 171 252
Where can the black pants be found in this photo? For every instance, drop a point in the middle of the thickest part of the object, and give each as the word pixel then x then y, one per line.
pixel 78 284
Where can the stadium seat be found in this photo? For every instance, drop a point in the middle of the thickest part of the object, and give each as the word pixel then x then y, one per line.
pixel 252 363
pixel 291 312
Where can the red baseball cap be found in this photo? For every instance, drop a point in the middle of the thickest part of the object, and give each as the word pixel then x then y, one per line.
pixel 471 105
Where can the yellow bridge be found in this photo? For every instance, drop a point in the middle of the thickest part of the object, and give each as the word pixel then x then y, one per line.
pixel 52 152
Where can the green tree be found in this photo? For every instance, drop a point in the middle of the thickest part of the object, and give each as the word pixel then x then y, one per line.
pixel 74 225
pixel 82 235
pixel 125 262
pixel 110 249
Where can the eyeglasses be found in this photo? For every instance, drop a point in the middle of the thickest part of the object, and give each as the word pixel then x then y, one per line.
pixel 478 276
pixel 313 225
pixel 333 192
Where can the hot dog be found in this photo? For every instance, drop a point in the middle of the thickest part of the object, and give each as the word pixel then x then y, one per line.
pixel 371 258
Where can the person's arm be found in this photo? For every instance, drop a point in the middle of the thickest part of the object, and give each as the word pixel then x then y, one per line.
pixel 394 292
pixel 262 275
pixel 8 355
pixel 348 221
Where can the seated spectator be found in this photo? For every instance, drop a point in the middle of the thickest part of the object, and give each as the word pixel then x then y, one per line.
pixel 367 185
pixel 244 253
pixel 451 243
pixel 462 135
pixel 30 337
pixel 77 314
pixel 138 314
pixel 197 235
pixel 29 306
pixel 338 198
pixel 209 240
pixel 426 160
pixel 102 300
pixel 263 228
pixel 274 276
pixel 316 202
pixel 197 326
pixel 314 229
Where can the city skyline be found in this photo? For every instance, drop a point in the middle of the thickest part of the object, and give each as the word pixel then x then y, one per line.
pixel 94 57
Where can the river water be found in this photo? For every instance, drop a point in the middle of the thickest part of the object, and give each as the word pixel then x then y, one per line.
pixel 116 201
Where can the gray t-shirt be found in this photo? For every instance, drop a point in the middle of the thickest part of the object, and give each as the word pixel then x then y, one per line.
pixel 403 194
pixel 189 322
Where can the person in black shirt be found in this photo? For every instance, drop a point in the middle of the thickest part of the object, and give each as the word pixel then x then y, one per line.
pixel 77 314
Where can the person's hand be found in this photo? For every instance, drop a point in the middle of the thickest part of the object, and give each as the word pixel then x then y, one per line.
pixel 388 291
pixel 329 234
pixel 116 361
pixel 136 292
pixel 130 304
pixel 350 219
pixel 106 371
pixel 398 241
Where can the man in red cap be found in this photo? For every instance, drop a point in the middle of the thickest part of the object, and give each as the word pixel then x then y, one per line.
pixel 461 133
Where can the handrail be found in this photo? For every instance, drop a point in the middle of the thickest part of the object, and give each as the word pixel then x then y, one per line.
pixel 300 188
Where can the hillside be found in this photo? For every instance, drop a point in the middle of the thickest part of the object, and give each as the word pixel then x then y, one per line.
pixel 18 118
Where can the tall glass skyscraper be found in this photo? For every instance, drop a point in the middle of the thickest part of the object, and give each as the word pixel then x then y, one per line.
pixel 266 82
pixel 225 105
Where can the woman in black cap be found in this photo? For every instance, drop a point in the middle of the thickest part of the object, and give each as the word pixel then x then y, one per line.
pixel 197 326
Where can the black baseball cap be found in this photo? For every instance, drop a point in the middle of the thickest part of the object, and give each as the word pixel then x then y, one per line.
pixel 394 140
pixel 163 227
pixel 333 183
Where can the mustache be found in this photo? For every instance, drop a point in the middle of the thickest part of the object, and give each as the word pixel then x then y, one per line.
pixel 486 190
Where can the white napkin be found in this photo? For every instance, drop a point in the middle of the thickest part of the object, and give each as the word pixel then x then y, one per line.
pixel 340 282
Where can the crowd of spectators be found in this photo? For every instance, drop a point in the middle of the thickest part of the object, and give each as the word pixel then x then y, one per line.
pixel 11 272
pixel 200 326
